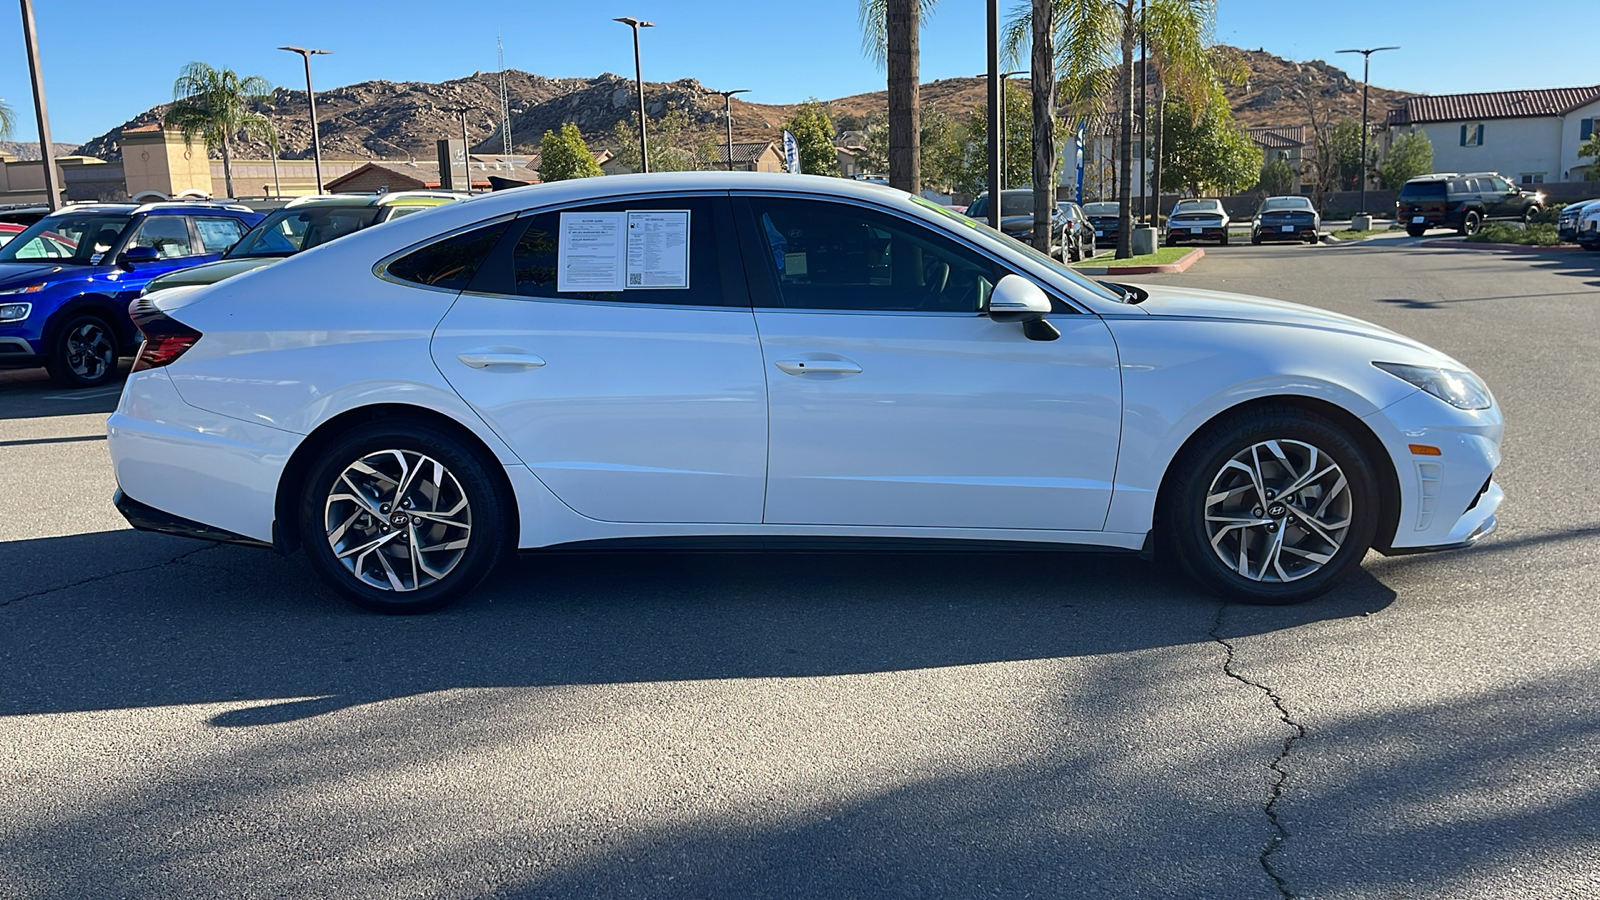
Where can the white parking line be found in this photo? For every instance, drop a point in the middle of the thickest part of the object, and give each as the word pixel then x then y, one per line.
pixel 86 395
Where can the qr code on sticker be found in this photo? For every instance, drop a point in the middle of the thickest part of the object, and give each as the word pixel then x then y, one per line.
pixel 636 278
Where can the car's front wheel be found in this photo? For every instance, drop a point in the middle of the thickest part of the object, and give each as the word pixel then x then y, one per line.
pixel 83 353
pixel 1272 506
pixel 1471 223
pixel 401 518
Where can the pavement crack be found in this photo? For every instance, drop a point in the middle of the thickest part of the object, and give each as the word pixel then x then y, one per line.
pixel 178 559
pixel 1281 775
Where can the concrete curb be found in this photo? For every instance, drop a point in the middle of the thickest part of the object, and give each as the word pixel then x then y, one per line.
pixel 1460 244
pixel 1187 260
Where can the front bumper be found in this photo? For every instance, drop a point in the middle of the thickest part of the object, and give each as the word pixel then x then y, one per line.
pixel 1448 500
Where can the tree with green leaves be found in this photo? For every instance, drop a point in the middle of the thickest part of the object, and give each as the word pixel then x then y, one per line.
pixel 563 155
pixel 1591 150
pixel 1207 153
pixel 890 31
pixel 1346 146
pixel 1277 178
pixel 218 105
pixel 1096 47
pixel 943 145
pixel 813 132
pixel 676 144
pixel 8 121
pixel 974 174
pixel 1410 155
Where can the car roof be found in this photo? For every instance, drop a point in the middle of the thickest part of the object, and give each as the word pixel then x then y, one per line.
pixel 363 201
pixel 165 207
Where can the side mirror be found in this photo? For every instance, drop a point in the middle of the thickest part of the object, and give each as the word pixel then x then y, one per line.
pixel 137 256
pixel 1016 299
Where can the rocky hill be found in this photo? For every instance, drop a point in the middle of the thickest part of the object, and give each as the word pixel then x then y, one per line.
pixel 30 149
pixel 389 119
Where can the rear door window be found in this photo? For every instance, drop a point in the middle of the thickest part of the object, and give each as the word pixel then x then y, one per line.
pixel 218 234
pixel 168 235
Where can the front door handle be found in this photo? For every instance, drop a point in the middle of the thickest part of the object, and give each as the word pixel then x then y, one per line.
pixel 484 359
pixel 818 366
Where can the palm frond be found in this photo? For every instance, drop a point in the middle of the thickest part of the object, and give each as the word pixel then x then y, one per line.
pixel 8 121
pixel 874 17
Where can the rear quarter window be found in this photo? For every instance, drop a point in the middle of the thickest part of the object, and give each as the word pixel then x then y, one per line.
pixel 448 264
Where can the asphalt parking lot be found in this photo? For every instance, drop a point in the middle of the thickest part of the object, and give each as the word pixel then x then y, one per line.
pixel 181 719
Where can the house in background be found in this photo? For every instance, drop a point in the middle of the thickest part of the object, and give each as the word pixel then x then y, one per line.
pixel 1285 142
pixel 1531 137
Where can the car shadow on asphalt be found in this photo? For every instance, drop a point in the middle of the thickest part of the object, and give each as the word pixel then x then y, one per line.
pixel 192 623
pixel 30 394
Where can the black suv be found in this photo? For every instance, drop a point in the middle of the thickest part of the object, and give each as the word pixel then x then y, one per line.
pixel 1016 219
pixel 1462 202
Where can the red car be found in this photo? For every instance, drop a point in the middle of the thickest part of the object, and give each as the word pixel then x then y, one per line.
pixel 9 230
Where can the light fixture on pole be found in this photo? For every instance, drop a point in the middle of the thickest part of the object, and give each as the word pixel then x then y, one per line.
pixel 316 141
pixel 727 108
pixel 638 82
pixel 1366 73
pixel 47 152
pixel 1003 77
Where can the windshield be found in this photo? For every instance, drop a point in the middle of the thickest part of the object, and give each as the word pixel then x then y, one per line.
pixel 289 231
pixel 71 238
pixel 1012 203
pixel 1100 209
pixel 1197 206
pixel 1279 204
pixel 1105 291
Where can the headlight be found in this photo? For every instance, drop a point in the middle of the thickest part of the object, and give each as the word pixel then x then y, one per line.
pixel 15 312
pixel 1463 390
pixel 28 289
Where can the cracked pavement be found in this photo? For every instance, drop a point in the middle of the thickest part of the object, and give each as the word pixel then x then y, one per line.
pixel 179 719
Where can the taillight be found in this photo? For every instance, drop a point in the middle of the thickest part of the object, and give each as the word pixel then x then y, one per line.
pixel 165 338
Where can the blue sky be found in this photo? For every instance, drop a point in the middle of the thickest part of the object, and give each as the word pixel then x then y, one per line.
pixel 104 63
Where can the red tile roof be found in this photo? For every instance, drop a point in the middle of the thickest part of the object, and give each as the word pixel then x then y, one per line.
pixel 1279 138
pixel 1492 105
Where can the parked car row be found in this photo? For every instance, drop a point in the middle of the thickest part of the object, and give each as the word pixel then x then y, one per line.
pixel 67 279
pixel 1579 223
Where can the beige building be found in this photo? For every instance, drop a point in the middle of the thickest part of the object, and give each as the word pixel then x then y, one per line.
pixel 158 165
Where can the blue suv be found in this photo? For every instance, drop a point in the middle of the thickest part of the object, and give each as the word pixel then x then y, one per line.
pixel 65 283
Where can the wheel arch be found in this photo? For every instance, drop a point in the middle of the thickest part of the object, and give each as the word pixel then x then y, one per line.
pixel 1378 458
pixel 286 530
pixel 101 305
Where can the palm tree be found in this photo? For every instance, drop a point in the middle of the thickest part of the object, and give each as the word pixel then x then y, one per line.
pixel 8 120
pixel 1096 44
pixel 889 35
pixel 1043 83
pixel 215 105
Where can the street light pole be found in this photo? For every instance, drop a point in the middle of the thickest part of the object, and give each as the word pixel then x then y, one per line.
pixel 1002 129
pixel 1366 75
pixel 638 81
pixel 47 152
pixel 311 96
pixel 992 48
pixel 727 107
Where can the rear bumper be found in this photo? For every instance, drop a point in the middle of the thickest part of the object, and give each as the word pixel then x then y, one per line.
pixel 148 518
pixel 1188 233
pixel 1276 232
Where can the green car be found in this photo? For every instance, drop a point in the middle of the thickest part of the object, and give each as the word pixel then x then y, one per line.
pixel 304 223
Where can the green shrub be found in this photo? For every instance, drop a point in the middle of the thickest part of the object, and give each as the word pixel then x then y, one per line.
pixel 1537 235
pixel 1548 215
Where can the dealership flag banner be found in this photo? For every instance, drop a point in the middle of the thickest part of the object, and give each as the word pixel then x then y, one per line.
pixel 791 152
pixel 1079 198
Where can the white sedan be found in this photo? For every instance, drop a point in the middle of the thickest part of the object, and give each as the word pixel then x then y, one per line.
pixel 707 357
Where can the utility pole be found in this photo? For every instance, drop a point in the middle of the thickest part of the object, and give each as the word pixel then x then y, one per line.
pixel 727 108
pixel 505 98
pixel 638 81
pixel 992 17
pixel 311 97
pixel 47 152
pixel 1366 76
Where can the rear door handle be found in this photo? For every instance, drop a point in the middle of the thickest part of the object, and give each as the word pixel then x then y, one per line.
pixel 818 366
pixel 485 359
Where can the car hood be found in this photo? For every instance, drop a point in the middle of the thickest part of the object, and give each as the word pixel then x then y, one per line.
pixel 1016 223
pixel 211 273
pixel 19 274
pixel 1198 304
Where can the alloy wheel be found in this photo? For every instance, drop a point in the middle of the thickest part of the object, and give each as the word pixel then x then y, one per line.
pixel 398 520
pixel 90 351
pixel 1278 511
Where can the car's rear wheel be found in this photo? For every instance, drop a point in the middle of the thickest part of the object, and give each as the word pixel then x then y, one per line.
pixel 1272 506
pixel 401 519
pixel 83 353
pixel 1471 223
pixel 1224 239
pixel 1255 239
pixel 1529 214
pixel 1416 230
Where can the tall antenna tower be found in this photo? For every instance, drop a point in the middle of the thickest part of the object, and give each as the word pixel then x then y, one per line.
pixel 505 98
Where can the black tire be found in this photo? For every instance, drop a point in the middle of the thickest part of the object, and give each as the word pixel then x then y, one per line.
pixel 1255 239
pixel 1471 223
pixel 1172 241
pixel 465 478
pixel 1200 470
pixel 1416 230
pixel 83 352
pixel 1528 214
pixel 1224 239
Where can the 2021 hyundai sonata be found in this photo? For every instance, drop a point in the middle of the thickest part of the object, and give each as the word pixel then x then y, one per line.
pixel 714 356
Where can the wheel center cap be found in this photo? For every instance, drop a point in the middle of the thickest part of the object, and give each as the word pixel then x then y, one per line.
pixel 1277 511
pixel 399 519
